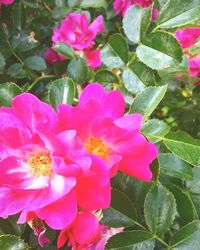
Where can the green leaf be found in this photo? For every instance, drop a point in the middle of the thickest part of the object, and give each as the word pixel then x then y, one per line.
pixel 176 13
pixel 194 184
pixel 110 58
pixel 187 237
pixel 8 90
pixel 23 42
pixel 115 53
pixel 93 4
pixel 10 226
pixel 60 3
pixel 73 3
pixel 196 203
pixel 184 204
pixel 64 49
pixel 155 127
pixel 18 15
pixel 78 70
pixel 119 45
pixel 159 209
pixel 184 146
pixel 11 242
pixel 60 12
pixel 105 76
pixel 137 75
pixel 35 63
pixel 162 3
pixel 139 20
pixel 121 213
pixel 160 50
pixel 2 63
pixel 136 191
pixel 16 71
pixel 173 166
pixel 132 82
pixel 146 101
pixel 62 91
pixel 133 240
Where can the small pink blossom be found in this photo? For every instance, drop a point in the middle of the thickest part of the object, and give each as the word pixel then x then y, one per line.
pixel 52 57
pixel 107 134
pixel 81 233
pixel 123 5
pixel 188 36
pixel 143 3
pixel 194 66
pixel 77 32
pixel 93 58
pixel 155 13
pixel 197 83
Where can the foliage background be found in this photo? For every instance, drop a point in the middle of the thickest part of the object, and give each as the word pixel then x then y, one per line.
pixel 141 59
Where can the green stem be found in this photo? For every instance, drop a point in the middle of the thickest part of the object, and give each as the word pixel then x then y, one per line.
pixel 139 225
pixel 39 79
pixel 154 136
pixel 155 29
pixel 32 76
pixel 47 7
pixel 155 236
pixel 13 52
pixel 162 241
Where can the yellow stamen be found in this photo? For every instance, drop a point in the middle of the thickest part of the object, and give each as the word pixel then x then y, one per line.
pixel 97 147
pixel 40 164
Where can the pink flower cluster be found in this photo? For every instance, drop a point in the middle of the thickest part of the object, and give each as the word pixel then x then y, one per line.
pixel 187 38
pixel 57 166
pixel 123 5
pixel 77 32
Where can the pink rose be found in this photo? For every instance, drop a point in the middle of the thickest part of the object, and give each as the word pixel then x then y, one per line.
pixel 107 134
pixel 188 36
pixel 77 32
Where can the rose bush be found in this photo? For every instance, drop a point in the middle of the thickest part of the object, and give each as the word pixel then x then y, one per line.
pixel 99 124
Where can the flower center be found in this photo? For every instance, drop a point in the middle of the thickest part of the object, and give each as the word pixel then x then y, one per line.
pixel 40 164
pixel 97 147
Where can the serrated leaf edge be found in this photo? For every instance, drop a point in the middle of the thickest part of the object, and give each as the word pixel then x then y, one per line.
pixel 175 207
pixel 18 238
